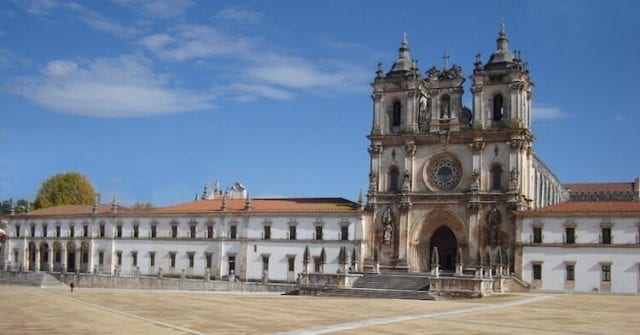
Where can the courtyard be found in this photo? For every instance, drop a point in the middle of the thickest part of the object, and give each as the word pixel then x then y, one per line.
pixel 26 310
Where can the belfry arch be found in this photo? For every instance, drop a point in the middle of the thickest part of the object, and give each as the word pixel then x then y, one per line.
pixel 440 228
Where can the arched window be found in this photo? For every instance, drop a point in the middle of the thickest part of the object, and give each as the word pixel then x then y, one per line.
pixel 445 107
pixel 396 114
pixel 498 108
pixel 496 177
pixel 393 175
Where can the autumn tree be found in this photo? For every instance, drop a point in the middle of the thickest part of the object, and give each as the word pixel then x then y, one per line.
pixel 71 188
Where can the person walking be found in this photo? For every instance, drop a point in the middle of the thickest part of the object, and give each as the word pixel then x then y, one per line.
pixel 71 286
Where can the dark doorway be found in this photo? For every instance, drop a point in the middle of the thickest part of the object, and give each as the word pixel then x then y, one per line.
pixel 71 261
pixel 446 242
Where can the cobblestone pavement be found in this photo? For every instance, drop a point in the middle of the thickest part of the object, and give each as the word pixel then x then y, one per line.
pixel 25 310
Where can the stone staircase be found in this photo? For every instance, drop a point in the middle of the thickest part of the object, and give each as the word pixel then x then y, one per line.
pixel 35 279
pixel 373 285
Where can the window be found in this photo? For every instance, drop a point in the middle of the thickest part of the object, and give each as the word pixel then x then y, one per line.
pixel 393 175
pixel 154 230
pixel 102 230
pixel 537 234
pixel 233 232
pixel 318 232
pixel 33 231
pixel 210 231
pixel 174 231
pixel 496 177
pixel 152 258
pixel 134 258
pixel 172 259
pixel 606 273
pixel 292 263
pixel 57 231
pixel 498 108
pixel 71 231
pixel 192 231
pixel 292 232
pixel 119 231
pixel 570 235
pixel 44 230
pixel 209 257
pixel 119 258
pixel 445 106
pixel 396 114
pixel 267 232
pixel 344 233
pixel 136 231
pixel 18 230
pixel 191 259
pixel 606 235
pixel 265 262
pixel 232 264
pixel 537 271
pixel 85 231
pixel 58 256
pixel 101 258
pixel 570 268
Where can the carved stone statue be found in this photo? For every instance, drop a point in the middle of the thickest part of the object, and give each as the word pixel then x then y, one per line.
pixel 475 180
pixel 387 235
pixel 387 224
pixel 406 182
pixel 493 225
pixel 373 180
pixel 444 111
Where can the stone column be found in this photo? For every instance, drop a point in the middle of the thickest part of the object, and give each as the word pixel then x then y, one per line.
pixel 63 252
pixel 36 266
pixel 78 253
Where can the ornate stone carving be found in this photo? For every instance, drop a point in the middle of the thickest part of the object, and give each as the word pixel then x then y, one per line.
pixel 410 148
pixel 516 85
pixel 493 226
pixel 387 225
pixel 513 178
pixel 477 146
pixel 475 180
pixel 444 172
pixel 406 182
pixel 476 89
pixel 376 96
pixel 375 149
pixel 373 182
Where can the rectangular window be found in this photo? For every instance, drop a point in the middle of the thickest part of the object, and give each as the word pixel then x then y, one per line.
pixel 537 234
pixel 192 231
pixel 172 260
pixel 15 257
pixel 134 258
pixel 292 232
pixel 344 233
pixel 267 232
pixel 191 259
pixel 233 232
pixel 136 230
pixel 570 233
pixel 44 230
pixel 606 273
pixel 318 232
pixel 119 258
pixel 570 272
pixel 232 264
pixel 33 231
pixel 292 263
pixel 119 231
pixel 265 263
pixel 174 231
pixel 85 231
pixel 101 258
pixel 71 231
pixel 18 230
pixel 57 231
pixel 209 257
pixel 102 230
pixel 154 231
pixel 152 259
pixel 210 231
pixel 537 271
pixel 606 235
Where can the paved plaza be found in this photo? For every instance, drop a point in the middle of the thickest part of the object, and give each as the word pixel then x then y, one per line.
pixel 27 310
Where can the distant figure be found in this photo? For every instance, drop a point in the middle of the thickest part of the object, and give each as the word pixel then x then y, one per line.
pixel 71 286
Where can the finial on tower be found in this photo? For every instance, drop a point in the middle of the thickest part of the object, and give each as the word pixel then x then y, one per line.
pixel 114 205
pixel 445 57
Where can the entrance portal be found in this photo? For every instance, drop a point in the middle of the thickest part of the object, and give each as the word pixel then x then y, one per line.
pixel 447 245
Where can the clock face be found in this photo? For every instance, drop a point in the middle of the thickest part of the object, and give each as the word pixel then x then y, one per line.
pixel 444 173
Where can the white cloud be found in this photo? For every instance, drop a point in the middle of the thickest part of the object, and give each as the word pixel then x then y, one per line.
pixel 194 42
pixel 158 8
pixel 545 112
pixel 251 92
pixel 40 7
pixel 240 15
pixel 120 87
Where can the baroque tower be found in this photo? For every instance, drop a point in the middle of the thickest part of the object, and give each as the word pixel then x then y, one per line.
pixel 447 178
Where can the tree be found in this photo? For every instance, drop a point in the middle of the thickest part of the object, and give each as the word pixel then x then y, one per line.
pixel 71 188
pixel 140 206
pixel 20 206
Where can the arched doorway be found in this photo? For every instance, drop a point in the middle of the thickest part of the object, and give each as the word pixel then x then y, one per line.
pixel 44 257
pixel 71 257
pixel 445 240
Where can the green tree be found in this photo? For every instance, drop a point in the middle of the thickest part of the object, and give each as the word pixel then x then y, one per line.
pixel 71 188
pixel 140 206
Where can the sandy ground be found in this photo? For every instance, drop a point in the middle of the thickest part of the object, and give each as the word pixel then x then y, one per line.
pixel 25 310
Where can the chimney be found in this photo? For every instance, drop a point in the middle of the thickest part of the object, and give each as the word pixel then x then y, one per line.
pixel 636 189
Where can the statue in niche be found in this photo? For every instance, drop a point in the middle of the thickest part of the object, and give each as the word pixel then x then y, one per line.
pixel 424 113
pixel 387 224
pixel 444 111
pixel 493 223
pixel 372 181
pixel 475 179
pixel 406 182
pixel 513 179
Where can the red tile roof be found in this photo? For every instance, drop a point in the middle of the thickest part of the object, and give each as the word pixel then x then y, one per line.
pixel 265 205
pixel 591 207
pixel 75 210
pixel 599 187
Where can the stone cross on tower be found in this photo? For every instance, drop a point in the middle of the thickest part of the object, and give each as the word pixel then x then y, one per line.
pixel 446 59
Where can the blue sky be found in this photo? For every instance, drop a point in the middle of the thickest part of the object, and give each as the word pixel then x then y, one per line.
pixel 151 99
